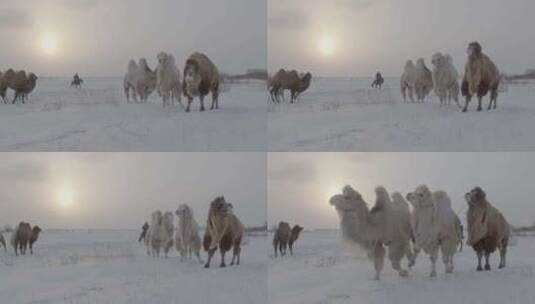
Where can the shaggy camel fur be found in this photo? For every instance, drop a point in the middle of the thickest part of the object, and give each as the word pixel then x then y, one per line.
pixel 168 223
pixel 20 238
pixel 201 77
pixel 129 81
pixel 445 79
pixel 281 238
pixel 407 81
pixel 158 235
pixel 487 228
pixel 168 79
pixel 23 85
pixel 423 81
pixel 145 80
pixel 223 229
pixel 436 226
pixel 480 77
pixel 291 81
pixel 187 238
pixel 294 235
pixel 386 224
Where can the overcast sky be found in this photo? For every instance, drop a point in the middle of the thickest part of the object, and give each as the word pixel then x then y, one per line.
pixel 371 35
pixel 103 190
pixel 98 37
pixel 300 184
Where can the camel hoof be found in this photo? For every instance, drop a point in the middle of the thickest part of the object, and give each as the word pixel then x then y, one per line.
pixel 464 110
pixel 479 109
pixel 403 273
pixel 206 266
pixel 222 265
pixel 479 268
pixel 433 274
pixel 487 267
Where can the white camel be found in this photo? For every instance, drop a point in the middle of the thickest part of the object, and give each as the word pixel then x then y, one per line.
pixel 436 226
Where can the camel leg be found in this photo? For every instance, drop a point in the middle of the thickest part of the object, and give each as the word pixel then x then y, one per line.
pixel 236 254
pixel 494 97
pixel 411 256
pixel 15 98
pixel 447 259
pixel 487 265
pixel 291 249
pixel 378 260
pixel 479 257
pixel 411 96
pixel 202 103
pixel 190 100
pixel 215 100
pixel 210 255
pixel 396 251
pixel 466 102
pixel 404 94
pixel 275 249
pixel 198 254
pixel 433 257
pixel 456 99
pixel 479 100
pixel 222 265
pixel 503 253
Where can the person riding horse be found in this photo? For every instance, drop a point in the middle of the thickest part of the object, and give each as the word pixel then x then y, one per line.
pixel 379 80
pixel 76 81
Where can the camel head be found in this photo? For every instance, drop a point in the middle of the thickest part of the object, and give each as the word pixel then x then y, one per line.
pixel 157 218
pixel 475 197
pixel 296 230
pixel 438 59
pixel 421 197
pixel 184 211
pixel 304 82
pixel 346 201
pixel 162 58
pixel 474 49
pixel 32 77
pixel 192 75
pixel 219 206
pixel 36 229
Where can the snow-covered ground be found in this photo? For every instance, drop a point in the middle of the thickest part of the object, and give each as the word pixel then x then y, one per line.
pixel 324 271
pixel 111 267
pixel 97 118
pixel 338 114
